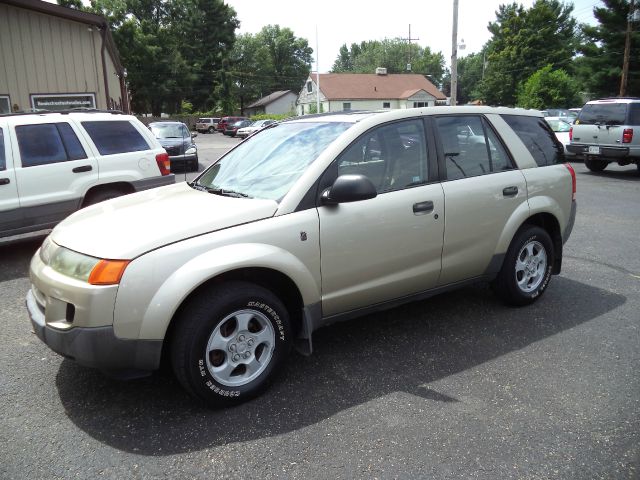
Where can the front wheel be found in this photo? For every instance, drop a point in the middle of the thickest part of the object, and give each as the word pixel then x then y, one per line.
pixel 229 343
pixel 211 130
pixel 526 270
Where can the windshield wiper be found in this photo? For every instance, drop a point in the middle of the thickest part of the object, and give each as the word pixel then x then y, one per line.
pixel 217 191
pixel 227 193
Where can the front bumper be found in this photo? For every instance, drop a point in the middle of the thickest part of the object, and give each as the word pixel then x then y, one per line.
pixel 183 159
pixel 95 347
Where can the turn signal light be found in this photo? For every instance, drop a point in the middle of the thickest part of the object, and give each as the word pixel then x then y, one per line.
pixel 162 159
pixel 627 135
pixel 108 272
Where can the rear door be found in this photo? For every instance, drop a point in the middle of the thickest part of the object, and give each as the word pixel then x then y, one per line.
pixel 54 168
pixel 482 189
pixel 10 213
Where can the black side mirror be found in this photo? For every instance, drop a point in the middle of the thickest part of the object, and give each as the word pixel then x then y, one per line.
pixel 349 188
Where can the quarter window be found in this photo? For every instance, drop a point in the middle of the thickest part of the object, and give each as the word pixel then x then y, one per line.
pixel 111 137
pixel 470 147
pixel 393 156
pixel 3 160
pixel 538 137
pixel 47 143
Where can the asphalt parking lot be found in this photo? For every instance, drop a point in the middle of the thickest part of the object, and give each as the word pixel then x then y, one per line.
pixel 458 386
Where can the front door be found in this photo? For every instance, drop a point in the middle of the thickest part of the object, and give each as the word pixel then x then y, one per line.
pixel 390 246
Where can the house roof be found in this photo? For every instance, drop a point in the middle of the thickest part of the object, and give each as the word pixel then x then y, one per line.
pixel 269 98
pixel 362 86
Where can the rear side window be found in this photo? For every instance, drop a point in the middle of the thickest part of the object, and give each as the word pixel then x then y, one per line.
pixel 603 114
pixel 470 147
pixel 47 143
pixel 538 137
pixel 634 114
pixel 111 137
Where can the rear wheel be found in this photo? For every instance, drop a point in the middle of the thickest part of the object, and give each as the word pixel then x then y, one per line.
pixel 595 165
pixel 230 342
pixel 211 130
pixel 526 270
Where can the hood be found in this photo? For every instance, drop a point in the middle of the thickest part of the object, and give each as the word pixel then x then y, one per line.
pixel 128 226
pixel 172 142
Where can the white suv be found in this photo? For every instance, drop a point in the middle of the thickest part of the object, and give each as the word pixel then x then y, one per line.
pixel 309 221
pixel 52 164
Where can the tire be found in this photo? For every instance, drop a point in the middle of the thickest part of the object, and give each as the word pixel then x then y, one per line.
pixel 211 130
pixel 101 196
pixel 595 165
pixel 526 270
pixel 230 342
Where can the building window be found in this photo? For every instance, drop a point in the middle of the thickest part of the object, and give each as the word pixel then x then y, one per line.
pixel 386 104
pixel 5 104
pixel 420 104
pixel 309 87
pixel 63 101
pixel 346 106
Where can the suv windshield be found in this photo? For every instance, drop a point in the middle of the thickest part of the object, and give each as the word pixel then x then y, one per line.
pixel 167 131
pixel 269 164
pixel 603 114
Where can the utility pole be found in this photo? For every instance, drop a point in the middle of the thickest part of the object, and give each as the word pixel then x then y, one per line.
pixel 409 41
pixel 627 50
pixel 454 59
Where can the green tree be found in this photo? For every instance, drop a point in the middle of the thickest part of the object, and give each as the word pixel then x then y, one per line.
pixel 600 67
pixel 469 77
pixel 548 88
pixel 172 50
pixel 394 55
pixel 523 41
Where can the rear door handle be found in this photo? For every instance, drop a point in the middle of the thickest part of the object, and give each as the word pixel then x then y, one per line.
pixel 422 208
pixel 4 181
pixel 84 168
pixel 510 191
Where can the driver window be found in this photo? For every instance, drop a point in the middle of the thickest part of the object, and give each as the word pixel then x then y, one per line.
pixel 393 156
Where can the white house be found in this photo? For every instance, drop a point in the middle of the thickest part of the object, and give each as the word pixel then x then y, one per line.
pixel 276 103
pixel 367 91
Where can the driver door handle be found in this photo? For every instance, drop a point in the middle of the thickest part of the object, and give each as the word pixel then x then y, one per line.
pixel 84 168
pixel 422 208
pixel 510 191
pixel 4 181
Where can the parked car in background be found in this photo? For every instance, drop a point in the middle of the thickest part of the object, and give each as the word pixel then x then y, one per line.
pixel 52 164
pixel 607 131
pixel 207 124
pixel 177 140
pixel 569 115
pixel 252 128
pixel 561 127
pixel 232 128
pixel 309 222
pixel 224 121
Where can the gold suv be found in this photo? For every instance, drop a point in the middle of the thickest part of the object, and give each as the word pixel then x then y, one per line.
pixel 307 222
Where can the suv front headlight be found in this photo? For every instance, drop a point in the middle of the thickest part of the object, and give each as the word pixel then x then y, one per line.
pixel 93 270
pixel 190 151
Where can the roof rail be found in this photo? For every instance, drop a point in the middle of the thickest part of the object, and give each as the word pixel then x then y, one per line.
pixel 36 111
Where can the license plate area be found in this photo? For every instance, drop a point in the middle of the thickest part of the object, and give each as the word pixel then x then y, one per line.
pixel 594 150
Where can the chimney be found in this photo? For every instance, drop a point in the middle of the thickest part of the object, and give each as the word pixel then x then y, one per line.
pixel 381 71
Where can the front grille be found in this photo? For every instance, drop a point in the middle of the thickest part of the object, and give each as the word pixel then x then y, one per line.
pixel 173 150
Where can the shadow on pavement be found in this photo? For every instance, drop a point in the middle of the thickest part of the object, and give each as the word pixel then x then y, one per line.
pixel 630 174
pixel 16 256
pixel 354 362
